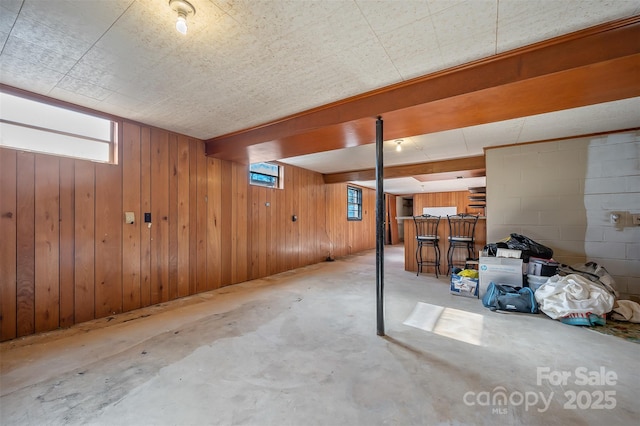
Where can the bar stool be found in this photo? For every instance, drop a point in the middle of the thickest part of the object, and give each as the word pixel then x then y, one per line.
pixel 462 230
pixel 427 236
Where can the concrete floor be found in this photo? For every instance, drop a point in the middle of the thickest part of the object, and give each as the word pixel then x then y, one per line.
pixel 300 348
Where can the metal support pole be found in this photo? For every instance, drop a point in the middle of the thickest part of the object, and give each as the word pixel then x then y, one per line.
pixel 379 228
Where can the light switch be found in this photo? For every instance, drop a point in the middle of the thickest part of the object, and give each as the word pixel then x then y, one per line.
pixel 129 217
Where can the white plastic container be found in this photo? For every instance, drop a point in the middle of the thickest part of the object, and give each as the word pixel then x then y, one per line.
pixel 536 281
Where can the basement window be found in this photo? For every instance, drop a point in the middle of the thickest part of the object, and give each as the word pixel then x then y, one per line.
pixel 31 125
pixel 354 203
pixel 265 174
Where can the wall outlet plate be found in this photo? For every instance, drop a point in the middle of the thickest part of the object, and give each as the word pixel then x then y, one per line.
pixel 129 217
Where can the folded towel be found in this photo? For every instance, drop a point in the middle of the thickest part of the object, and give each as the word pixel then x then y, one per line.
pixel 626 310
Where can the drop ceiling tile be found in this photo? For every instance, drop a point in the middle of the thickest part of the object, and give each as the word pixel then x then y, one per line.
pixel 25 75
pixel 83 88
pixel 144 33
pixel 413 48
pixel 441 145
pixel 271 20
pixel 47 38
pixel 134 106
pixel 105 69
pixel 385 16
pixel 581 121
pixel 347 29
pixel 221 51
pixel 84 21
pixel 467 50
pixel 472 20
pixel 38 55
pixel 492 134
pixel 436 6
pixel 523 23
pixel 77 98
pixel 8 14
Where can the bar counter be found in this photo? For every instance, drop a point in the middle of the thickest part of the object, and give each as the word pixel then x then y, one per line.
pixel 459 255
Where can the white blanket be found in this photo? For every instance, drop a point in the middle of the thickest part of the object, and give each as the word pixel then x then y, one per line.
pixel 561 296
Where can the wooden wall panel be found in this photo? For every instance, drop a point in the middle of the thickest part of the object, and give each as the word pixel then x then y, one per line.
pixel 278 237
pixel 173 216
pixel 201 212
pixel 349 236
pixel 289 226
pixel 193 216
pixel 182 221
pixel 145 207
pixel 84 241
pixel 131 202
pixel 258 236
pixel 47 242
pixel 8 217
pixel 25 244
pixel 159 216
pixel 391 229
pixel 304 217
pixel 241 229
pixel 67 241
pixel 74 259
pixel 108 244
pixel 214 225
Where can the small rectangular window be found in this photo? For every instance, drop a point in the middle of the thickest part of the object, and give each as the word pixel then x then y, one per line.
pixel 354 203
pixel 31 125
pixel 265 174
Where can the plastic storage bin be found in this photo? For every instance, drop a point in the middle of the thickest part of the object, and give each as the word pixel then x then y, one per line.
pixel 536 281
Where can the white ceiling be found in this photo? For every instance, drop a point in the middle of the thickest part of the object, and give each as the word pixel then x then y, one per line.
pixel 247 62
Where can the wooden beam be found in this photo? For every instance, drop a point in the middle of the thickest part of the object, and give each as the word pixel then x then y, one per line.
pixel 436 167
pixel 591 66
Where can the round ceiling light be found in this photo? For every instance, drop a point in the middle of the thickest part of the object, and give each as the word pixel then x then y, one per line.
pixel 183 8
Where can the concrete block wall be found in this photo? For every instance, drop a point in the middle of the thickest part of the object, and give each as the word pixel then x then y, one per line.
pixel 562 194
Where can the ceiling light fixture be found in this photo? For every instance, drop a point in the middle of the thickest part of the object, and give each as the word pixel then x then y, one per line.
pixel 398 145
pixel 183 8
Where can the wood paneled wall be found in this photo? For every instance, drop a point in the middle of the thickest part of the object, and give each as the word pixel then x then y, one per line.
pixel 349 236
pixel 66 255
pixel 460 199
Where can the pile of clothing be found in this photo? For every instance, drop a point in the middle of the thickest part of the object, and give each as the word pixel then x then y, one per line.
pixel 584 295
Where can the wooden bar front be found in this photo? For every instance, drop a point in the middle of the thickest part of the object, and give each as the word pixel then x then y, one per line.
pixel 459 256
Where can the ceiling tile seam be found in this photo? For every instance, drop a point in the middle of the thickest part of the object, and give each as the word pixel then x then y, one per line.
pixel 435 32
pixel 495 50
pixel 379 41
pixel 12 26
pixel 90 48
pixel 520 131
pixel 464 138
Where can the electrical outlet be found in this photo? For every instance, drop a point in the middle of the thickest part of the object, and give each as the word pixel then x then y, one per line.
pixel 635 219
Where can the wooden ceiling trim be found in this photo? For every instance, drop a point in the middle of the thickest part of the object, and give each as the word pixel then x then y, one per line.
pixel 435 167
pixel 349 122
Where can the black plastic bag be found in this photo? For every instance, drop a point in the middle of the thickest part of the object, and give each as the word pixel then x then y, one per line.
pixel 528 247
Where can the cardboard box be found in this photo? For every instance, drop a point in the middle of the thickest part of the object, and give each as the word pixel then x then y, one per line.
pixel 464 286
pixel 500 270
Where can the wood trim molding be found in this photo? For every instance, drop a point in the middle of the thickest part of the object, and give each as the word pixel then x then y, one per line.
pixel 435 167
pixel 595 65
